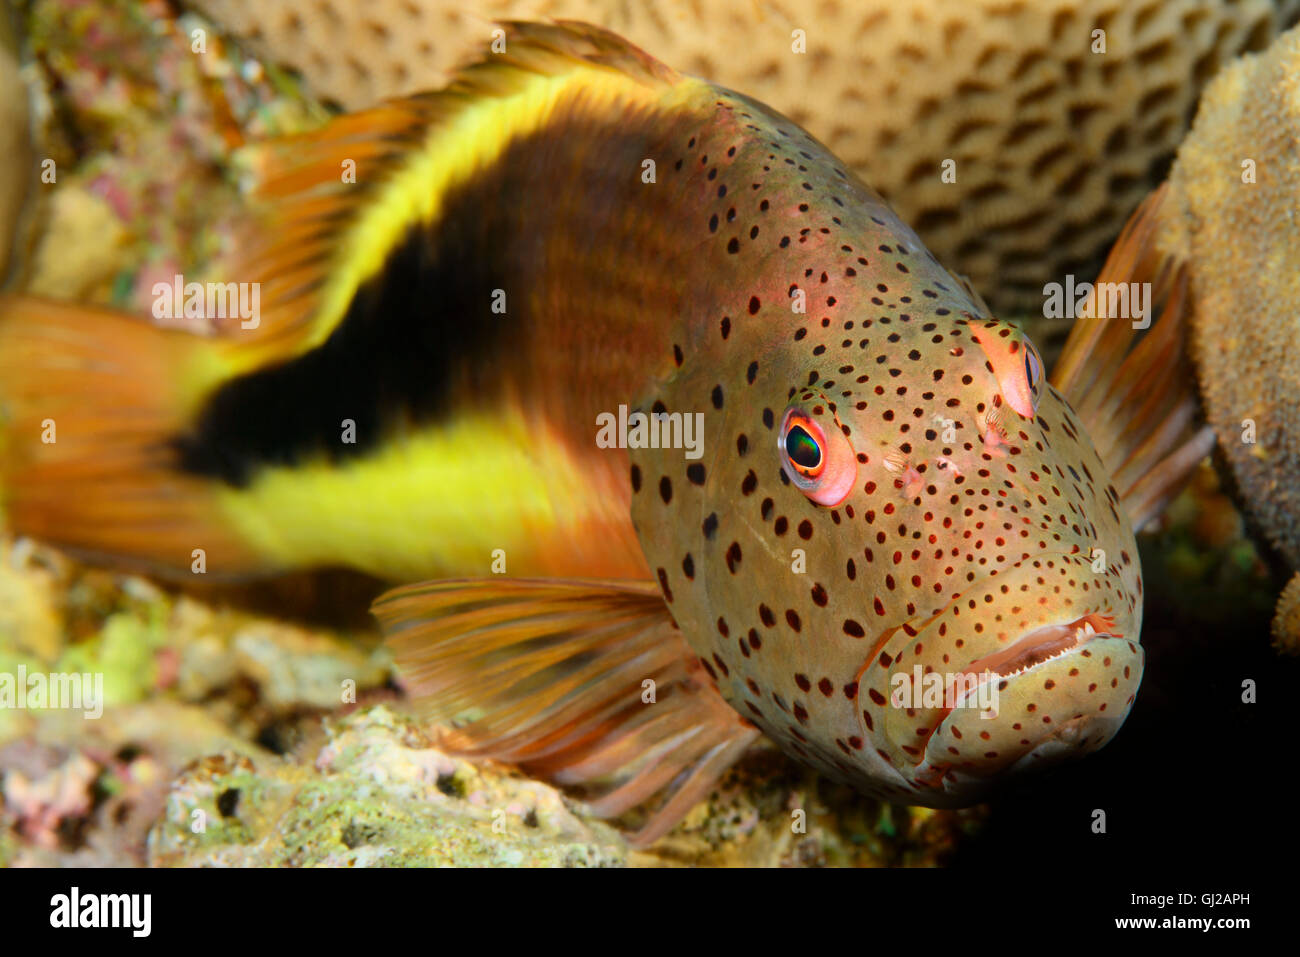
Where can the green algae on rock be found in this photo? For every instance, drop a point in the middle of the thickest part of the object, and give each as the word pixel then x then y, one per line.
pixel 380 794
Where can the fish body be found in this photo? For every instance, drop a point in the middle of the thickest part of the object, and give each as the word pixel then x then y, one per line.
pixel 570 237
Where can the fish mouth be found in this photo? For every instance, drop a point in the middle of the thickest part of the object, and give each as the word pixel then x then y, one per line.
pixel 1031 650
pixel 1044 644
pixel 1034 649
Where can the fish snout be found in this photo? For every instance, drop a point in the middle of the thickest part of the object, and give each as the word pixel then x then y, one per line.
pixel 986 689
pixel 1063 706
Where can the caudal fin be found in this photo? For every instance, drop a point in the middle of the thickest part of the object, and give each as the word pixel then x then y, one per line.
pixel 89 401
pixel 1134 390
pixel 585 682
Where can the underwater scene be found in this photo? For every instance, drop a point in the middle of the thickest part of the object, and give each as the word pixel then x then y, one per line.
pixel 686 433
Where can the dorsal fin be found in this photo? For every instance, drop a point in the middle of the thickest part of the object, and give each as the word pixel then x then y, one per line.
pixel 1134 390
pixel 335 201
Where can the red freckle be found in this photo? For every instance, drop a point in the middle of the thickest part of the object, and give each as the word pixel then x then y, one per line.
pixel 866 719
pixel 855 742
pixel 851 690
pixel 985 735
pixel 880 608
pixel 876 697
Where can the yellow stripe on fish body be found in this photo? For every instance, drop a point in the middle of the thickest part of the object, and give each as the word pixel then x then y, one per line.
pixel 482 494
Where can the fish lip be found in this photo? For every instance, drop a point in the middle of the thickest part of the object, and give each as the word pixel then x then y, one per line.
pixel 1025 654
pixel 1043 644
pixel 1061 640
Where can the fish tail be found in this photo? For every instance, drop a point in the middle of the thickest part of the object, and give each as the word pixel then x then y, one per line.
pixel 89 401
pixel 586 683
pixel 1133 388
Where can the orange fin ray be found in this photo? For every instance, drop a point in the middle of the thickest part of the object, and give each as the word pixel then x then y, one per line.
pixel 553 675
pixel 1133 389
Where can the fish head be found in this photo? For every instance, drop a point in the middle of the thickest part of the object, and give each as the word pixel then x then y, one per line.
pixel 900 555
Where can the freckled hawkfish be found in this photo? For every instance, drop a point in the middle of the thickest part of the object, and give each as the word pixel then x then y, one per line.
pixel 542 279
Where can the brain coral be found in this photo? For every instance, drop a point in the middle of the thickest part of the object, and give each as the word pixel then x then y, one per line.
pixel 1054 144
pixel 1230 213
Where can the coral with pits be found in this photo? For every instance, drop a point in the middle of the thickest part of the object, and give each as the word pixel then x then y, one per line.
pixel 1054 142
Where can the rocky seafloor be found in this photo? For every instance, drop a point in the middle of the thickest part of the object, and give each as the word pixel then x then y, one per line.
pixel 234 737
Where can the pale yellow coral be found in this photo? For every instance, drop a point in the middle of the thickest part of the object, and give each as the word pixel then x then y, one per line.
pixel 1054 143
pixel 1231 214
pixel 1286 624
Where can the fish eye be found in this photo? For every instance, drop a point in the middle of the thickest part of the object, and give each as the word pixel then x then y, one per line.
pixel 803 450
pixel 816 456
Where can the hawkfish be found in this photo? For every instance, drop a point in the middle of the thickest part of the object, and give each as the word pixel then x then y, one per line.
pixel 695 439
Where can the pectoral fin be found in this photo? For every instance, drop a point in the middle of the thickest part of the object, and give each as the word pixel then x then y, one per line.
pixel 587 683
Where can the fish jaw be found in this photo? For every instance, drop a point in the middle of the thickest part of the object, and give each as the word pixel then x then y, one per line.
pixel 1044 690
pixel 1072 715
